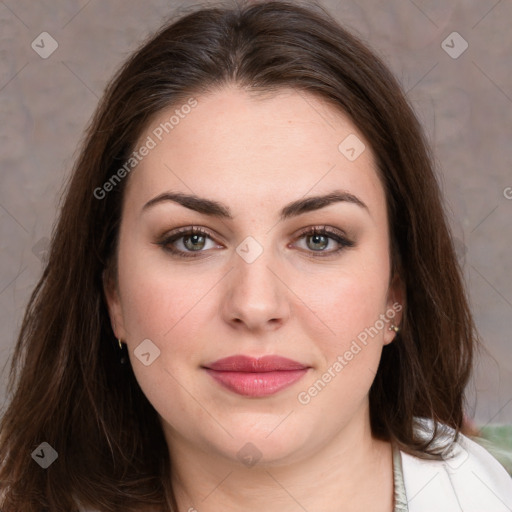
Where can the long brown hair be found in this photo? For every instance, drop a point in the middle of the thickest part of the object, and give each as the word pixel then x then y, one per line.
pixel 68 388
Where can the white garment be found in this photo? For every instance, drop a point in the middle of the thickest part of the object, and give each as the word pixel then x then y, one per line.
pixel 468 479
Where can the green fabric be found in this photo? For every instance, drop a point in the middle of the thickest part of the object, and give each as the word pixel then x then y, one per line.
pixel 497 440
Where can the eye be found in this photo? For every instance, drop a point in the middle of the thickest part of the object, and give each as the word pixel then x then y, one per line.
pixel 317 239
pixel 186 241
pixel 191 239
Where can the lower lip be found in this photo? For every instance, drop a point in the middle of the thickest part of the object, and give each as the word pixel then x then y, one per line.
pixel 257 384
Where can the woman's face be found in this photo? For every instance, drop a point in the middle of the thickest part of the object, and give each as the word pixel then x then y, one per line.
pixel 255 283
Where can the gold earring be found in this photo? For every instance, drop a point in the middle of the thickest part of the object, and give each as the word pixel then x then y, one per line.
pixel 123 359
pixel 393 327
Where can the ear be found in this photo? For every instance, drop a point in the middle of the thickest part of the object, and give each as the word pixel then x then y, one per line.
pixel 111 291
pixel 395 306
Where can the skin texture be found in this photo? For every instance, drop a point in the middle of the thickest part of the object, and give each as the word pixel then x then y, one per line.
pixel 255 155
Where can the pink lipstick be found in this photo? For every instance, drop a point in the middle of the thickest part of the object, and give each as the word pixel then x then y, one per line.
pixel 253 377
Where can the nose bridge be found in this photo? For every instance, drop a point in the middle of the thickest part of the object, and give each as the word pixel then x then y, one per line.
pixel 252 270
pixel 256 294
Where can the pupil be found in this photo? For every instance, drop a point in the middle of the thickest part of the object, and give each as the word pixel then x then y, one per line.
pixel 315 239
pixel 194 237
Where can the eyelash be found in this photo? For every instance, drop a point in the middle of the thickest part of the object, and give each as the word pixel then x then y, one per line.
pixel 331 233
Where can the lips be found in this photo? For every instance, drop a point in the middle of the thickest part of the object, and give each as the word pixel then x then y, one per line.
pixel 248 376
pixel 251 364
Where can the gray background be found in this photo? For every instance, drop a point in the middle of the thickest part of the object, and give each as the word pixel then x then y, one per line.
pixel 465 104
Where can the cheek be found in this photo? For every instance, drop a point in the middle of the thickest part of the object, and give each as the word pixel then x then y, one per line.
pixel 166 307
pixel 351 350
pixel 347 302
pixel 157 297
pixel 362 303
pixel 358 341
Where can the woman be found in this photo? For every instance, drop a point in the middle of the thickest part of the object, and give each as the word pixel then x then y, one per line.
pixel 252 300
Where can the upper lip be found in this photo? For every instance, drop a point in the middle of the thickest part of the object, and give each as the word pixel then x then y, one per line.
pixel 268 363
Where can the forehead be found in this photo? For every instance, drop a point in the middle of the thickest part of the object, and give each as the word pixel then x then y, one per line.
pixel 266 149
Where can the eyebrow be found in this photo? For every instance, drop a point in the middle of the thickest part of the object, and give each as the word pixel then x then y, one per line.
pixel 221 211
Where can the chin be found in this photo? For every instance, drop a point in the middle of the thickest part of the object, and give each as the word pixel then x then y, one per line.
pixel 262 445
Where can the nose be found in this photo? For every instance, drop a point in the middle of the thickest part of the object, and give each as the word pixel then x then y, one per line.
pixel 257 297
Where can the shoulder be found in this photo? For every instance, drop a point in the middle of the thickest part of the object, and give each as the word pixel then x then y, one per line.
pixel 468 478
